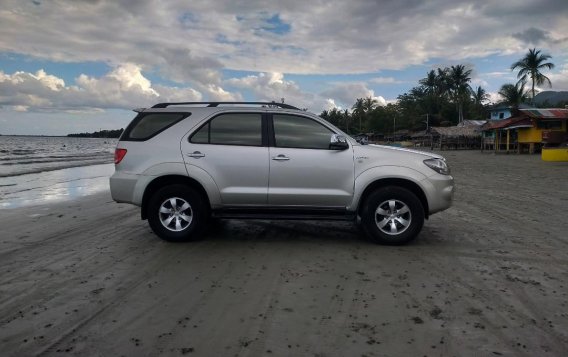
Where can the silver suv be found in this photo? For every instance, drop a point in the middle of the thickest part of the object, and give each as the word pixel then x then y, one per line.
pixel 184 163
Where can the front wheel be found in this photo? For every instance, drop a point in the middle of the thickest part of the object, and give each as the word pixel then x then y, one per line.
pixel 177 213
pixel 392 215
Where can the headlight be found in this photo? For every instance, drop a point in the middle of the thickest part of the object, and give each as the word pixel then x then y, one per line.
pixel 438 165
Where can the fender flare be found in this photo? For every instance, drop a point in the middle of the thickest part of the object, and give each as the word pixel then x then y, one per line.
pixel 390 174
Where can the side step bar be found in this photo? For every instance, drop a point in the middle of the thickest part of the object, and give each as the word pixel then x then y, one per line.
pixel 292 213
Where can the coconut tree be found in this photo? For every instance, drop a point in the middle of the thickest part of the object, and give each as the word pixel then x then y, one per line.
pixel 369 103
pixel 459 78
pixel 513 95
pixel 479 96
pixel 430 85
pixel 359 110
pixel 530 66
pixel 436 86
pixel 363 106
pixel 347 117
pixel 430 82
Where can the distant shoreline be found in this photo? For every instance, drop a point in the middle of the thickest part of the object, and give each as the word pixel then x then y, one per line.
pixel 35 136
pixel 54 136
pixel 101 134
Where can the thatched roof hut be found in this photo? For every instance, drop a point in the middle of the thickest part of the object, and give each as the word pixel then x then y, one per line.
pixel 456 131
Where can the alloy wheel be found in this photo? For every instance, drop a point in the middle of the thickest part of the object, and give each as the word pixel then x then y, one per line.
pixel 393 217
pixel 176 214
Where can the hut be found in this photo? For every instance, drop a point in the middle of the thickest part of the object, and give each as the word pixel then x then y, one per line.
pixel 530 130
pixel 502 135
pixel 550 127
pixel 465 135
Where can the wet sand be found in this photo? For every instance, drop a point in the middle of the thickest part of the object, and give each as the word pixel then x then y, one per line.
pixel 487 277
pixel 55 186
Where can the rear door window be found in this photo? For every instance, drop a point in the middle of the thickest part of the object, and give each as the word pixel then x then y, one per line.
pixel 231 129
pixel 291 131
pixel 147 125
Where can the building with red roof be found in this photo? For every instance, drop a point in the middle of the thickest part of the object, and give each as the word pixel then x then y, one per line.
pixel 530 129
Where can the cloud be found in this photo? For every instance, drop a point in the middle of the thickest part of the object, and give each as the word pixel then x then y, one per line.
pixel 479 82
pixel 385 80
pixel 497 74
pixel 192 42
pixel 124 87
pixel 218 94
pixel 532 36
pixel 268 86
pixel 494 97
pixel 274 87
pixel 559 80
pixel 347 93
pixel 20 108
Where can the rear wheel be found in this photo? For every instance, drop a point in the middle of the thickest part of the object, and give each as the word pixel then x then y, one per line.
pixel 177 213
pixel 392 215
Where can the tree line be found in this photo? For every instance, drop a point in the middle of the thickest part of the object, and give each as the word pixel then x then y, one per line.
pixel 98 134
pixel 444 97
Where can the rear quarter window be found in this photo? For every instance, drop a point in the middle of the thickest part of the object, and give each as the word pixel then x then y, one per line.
pixel 148 125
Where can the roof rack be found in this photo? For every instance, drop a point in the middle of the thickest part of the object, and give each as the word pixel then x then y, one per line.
pixel 215 104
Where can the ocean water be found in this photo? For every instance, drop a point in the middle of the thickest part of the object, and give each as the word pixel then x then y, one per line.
pixel 21 155
pixel 40 170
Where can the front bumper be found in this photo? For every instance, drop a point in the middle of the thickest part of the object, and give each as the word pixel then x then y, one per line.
pixel 439 191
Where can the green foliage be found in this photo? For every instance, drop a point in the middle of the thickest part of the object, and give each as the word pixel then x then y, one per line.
pixel 440 97
pixel 444 96
pixel 531 66
pixel 513 94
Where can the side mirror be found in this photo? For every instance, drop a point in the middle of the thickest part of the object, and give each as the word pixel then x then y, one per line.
pixel 338 142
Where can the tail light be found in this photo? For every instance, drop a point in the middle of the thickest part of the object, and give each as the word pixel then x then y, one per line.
pixel 119 155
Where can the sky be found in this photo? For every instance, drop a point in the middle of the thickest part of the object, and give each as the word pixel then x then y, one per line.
pixel 83 65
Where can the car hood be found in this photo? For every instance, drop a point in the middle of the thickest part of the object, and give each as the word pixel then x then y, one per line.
pixel 397 149
pixel 372 156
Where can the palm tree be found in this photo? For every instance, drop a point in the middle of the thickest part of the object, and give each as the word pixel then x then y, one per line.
pixel 430 83
pixel 479 96
pixel 363 106
pixel 369 104
pixel 531 66
pixel 513 95
pixel 359 110
pixel 347 118
pixel 430 87
pixel 459 78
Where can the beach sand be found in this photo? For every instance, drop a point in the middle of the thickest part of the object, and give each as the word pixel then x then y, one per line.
pixel 487 277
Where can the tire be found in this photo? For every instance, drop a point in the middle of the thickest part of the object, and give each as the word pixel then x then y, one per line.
pixel 392 215
pixel 177 213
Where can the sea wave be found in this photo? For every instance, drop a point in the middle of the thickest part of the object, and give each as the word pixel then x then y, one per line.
pixel 27 155
pixel 61 166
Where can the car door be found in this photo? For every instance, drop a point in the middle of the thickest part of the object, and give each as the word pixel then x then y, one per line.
pixel 230 148
pixel 304 171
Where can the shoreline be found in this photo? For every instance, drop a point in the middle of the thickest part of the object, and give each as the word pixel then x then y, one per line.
pixel 58 185
pixel 62 167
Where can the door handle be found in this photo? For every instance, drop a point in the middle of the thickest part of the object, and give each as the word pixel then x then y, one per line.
pixel 280 157
pixel 196 154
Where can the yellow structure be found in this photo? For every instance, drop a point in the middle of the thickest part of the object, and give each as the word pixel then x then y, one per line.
pixel 534 134
pixel 555 154
pixel 552 120
pixel 534 128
